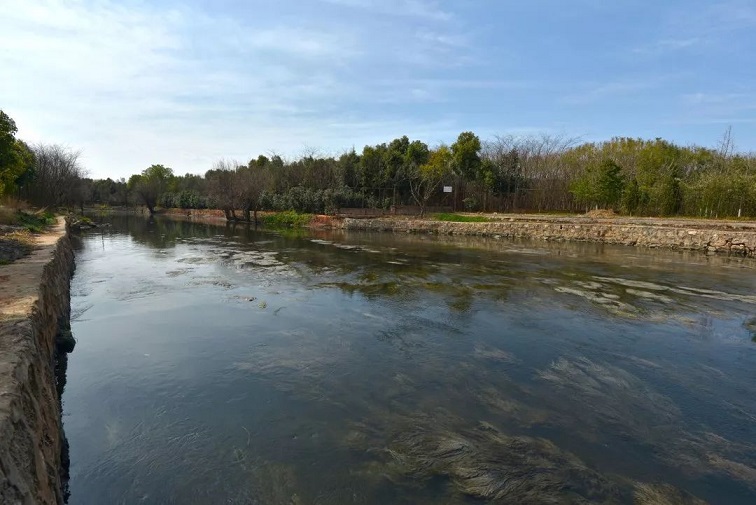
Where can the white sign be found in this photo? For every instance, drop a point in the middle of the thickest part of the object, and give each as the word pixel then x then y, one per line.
pixel 447 189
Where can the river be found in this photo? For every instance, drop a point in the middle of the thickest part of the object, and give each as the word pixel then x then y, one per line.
pixel 226 365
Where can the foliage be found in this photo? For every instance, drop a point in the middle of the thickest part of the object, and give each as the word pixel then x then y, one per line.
pixel 540 173
pixel 459 218
pixel 600 185
pixel 16 159
pixel 151 184
pixel 33 221
pixel 426 179
pixel 466 156
pixel 286 219
pixel 185 199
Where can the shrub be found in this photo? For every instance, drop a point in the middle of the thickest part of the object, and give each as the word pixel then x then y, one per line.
pixel 35 222
pixel 286 219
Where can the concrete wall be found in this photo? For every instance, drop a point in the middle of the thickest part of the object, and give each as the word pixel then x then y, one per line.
pixel 34 301
pixel 686 235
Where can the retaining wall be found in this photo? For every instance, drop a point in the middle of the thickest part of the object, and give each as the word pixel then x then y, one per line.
pixel 735 238
pixel 34 305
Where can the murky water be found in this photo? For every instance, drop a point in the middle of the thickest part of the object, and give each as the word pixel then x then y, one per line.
pixel 221 365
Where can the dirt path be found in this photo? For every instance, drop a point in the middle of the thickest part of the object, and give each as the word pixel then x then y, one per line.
pixel 19 280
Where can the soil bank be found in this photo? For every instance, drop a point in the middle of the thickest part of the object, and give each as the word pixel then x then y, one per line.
pixel 34 307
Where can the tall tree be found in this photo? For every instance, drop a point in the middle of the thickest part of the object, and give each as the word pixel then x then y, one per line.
pixel 466 155
pixel 57 176
pixel 427 178
pixel 600 185
pixel 16 159
pixel 150 184
pixel 250 183
pixel 220 185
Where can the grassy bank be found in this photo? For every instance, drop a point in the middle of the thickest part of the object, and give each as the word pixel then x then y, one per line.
pixel 35 221
pixel 459 218
pixel 286 219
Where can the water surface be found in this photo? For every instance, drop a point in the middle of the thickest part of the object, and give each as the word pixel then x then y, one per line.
pixel 226 365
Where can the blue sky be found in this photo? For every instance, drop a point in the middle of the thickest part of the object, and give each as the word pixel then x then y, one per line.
pixel 132 83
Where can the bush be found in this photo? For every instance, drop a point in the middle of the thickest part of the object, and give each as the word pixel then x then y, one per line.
pixel 183 200
pixel 35 222
pixel 286 219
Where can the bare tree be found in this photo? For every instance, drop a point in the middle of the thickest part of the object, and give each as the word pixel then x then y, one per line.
pixel 220 185
pixel 57 175
pixel 250 182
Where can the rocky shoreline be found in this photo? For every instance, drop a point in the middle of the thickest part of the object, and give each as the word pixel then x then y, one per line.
pixel 709 237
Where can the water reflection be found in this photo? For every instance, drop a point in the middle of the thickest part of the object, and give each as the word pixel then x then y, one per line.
pixel 64 345
pixel 221 364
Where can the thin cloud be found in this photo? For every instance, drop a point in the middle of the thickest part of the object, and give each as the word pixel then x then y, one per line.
pixel 135 83
pixel 670 45
pixel 424 9
pixel 595 92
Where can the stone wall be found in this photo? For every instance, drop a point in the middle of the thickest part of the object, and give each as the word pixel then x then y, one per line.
pixel 714 237
pixel 34 305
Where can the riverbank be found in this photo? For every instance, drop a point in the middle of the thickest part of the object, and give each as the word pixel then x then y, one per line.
pixel 710 237
pixel 34 306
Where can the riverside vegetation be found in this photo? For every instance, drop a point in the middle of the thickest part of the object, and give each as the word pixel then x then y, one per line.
pixel 382 370
pixel 543 173
pixel 17 229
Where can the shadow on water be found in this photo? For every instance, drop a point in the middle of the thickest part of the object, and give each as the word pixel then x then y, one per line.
pixel 64 345
pixel 333 367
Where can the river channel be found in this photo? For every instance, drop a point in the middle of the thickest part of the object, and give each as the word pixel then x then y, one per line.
pixel 224 365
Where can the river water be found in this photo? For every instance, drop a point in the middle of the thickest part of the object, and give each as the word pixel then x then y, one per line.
pixel 226 365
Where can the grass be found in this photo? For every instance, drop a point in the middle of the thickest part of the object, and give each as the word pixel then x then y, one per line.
pixel 33 221
pixel 459 218
pixel 287 219
pixel 36 222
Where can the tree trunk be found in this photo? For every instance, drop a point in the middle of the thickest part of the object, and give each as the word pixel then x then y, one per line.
pixel 228 214
pixel 246 215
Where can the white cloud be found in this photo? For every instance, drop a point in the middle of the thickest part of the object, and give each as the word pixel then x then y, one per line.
pixel 134 84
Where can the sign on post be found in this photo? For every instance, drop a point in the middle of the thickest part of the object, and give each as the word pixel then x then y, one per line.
pixel 447 189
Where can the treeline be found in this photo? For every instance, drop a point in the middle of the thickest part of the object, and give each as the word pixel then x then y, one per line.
pixel 506 174
pixel 46 175
pixel 543 173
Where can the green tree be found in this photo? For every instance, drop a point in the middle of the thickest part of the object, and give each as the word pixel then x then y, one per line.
pixel 427 178
pixel 600 185
pixel 466 156
pixel 631 197
pixel 151 184
pixel 16 159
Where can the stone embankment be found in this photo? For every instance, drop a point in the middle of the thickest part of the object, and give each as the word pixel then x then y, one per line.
pixel 34 307
pixel 683 234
